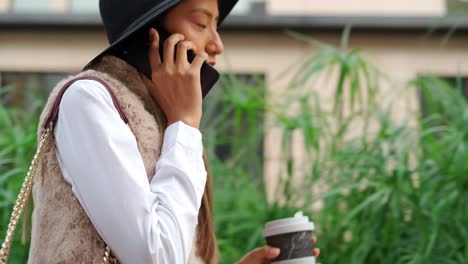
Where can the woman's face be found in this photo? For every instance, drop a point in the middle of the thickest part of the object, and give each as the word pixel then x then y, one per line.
pixel 197 20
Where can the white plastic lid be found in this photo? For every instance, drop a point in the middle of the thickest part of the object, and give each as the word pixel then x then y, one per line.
pixel 288 225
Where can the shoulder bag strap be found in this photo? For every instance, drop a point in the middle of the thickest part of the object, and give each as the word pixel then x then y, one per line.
pixel 53 115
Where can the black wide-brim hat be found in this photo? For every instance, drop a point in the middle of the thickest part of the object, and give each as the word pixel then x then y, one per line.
pixel 123 18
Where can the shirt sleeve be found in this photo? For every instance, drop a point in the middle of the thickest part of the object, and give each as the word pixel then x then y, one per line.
pixel 141 221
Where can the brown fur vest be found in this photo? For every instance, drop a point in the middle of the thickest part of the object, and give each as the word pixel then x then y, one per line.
pixel 61 230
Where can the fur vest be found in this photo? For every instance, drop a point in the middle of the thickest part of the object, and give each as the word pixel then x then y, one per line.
pixel 61 230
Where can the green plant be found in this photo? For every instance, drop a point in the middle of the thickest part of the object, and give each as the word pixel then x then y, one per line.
pixel 392 192
pixel 17 147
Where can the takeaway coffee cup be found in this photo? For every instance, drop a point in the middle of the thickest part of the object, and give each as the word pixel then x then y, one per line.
pixel 293 236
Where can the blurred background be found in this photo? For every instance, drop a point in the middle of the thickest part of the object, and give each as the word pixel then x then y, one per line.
pixel 353 111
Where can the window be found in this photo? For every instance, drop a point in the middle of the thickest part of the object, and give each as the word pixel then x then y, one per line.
pixel 84 6
pixel 28 6
pixel 357 7
pixel 27 88
pixel 5 6
pixel 248 7
pixel 458 82
pixel 50 6
pixel 457 6
pixel 440 102
pixel 233 121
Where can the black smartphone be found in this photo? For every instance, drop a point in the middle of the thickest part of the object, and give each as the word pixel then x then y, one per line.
pixel 135 52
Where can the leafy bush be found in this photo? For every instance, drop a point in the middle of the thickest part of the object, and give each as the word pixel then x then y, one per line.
pixel 387 191
pixel 17 147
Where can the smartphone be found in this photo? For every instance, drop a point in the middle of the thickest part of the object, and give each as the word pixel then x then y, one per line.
pixel 135 52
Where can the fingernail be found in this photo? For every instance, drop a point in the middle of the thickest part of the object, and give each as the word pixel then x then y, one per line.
pixel 155 33
pixel 274 252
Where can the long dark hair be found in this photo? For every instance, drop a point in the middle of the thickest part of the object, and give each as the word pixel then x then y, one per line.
pixel 206 240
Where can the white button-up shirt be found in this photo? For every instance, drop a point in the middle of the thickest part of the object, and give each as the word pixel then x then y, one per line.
pixel 141 221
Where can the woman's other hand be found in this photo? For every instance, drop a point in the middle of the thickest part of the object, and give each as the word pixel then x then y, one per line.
pixel 265 254
pixel 175 83
pixel 260 255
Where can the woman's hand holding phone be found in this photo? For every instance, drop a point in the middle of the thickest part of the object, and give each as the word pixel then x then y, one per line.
pixel 175 83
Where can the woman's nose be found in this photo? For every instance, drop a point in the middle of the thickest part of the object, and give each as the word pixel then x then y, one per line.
pixel 215 45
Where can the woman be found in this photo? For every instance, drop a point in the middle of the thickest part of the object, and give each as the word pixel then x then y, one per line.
pixel 125 169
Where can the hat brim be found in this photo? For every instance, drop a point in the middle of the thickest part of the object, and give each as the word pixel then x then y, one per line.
pixel 225 7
